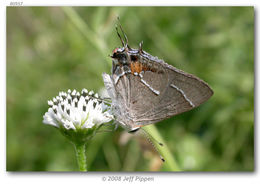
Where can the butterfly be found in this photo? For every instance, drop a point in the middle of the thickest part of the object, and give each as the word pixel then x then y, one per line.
pixel 146 90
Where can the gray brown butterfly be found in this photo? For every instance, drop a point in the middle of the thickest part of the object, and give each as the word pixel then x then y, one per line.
pixel 145 90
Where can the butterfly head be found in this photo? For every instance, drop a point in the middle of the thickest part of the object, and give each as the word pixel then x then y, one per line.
pixel 119 56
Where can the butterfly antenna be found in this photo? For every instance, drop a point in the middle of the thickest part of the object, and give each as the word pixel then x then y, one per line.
pixel 151 140
pixel 121 28
pixel 122 41
pixel 107 100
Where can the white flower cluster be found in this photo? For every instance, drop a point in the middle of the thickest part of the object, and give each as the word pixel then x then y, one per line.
pixel 73 110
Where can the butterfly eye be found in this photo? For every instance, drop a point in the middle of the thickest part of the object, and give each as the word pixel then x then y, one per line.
pixel 114 55
pixel 122 58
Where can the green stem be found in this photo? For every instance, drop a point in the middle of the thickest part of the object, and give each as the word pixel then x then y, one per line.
pixel 90 35
pixel 170 162
pixel 81 156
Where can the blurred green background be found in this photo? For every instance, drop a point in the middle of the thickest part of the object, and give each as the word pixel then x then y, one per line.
pixel 50 49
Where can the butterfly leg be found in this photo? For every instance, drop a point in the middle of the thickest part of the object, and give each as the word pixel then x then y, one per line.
pixel 116 125
pixel 120 75
pixel 109 130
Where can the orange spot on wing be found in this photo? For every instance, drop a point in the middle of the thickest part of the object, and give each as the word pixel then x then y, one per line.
pixel 132 67
pixel 137 67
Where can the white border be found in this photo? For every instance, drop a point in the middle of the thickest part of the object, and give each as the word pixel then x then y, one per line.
pixel 191 179
pixel 134 3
